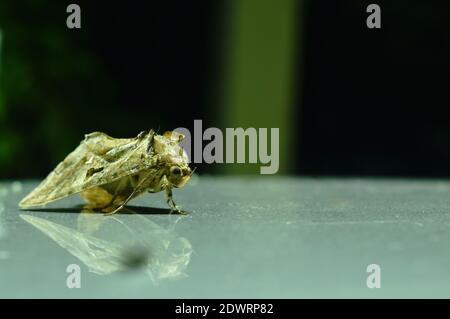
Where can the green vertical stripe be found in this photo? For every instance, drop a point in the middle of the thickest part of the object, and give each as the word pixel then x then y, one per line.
pixel 259 72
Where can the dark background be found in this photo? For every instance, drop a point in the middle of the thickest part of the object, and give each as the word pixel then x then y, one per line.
pixel 367 102
pixel 376 102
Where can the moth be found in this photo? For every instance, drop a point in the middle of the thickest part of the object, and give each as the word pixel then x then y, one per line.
pixel 108 172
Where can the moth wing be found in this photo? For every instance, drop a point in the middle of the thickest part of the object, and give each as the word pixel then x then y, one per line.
pixel 98 160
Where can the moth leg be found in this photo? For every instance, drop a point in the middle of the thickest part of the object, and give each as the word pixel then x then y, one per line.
pixel 107 207
pixel 97 198
pixel 105 198
pixel 169 199
pixel 119 199
pixel 124 201
pixel 117 208
pixel 111 210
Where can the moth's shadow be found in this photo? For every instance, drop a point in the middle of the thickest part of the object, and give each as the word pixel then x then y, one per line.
pixel 127 210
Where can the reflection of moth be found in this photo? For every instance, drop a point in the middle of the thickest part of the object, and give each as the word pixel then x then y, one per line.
pixel 121 243
pixel 108 172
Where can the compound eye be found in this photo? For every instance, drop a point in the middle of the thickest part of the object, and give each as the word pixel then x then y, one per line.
pixel 175 170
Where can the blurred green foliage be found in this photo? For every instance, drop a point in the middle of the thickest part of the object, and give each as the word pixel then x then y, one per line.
pixel 128 70
pixel 48 76
pixel 260 75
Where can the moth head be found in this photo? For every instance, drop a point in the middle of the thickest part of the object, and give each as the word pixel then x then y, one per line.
pixel 172 157
pixel 179 175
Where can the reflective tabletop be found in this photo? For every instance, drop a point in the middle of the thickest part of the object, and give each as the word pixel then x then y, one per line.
pixel 255 237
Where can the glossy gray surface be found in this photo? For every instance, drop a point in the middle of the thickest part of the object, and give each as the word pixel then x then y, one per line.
pixel 245 237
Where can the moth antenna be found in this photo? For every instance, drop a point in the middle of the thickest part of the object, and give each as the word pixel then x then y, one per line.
pixel 192 173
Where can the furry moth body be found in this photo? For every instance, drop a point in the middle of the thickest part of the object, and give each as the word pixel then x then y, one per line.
pixel 108 172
